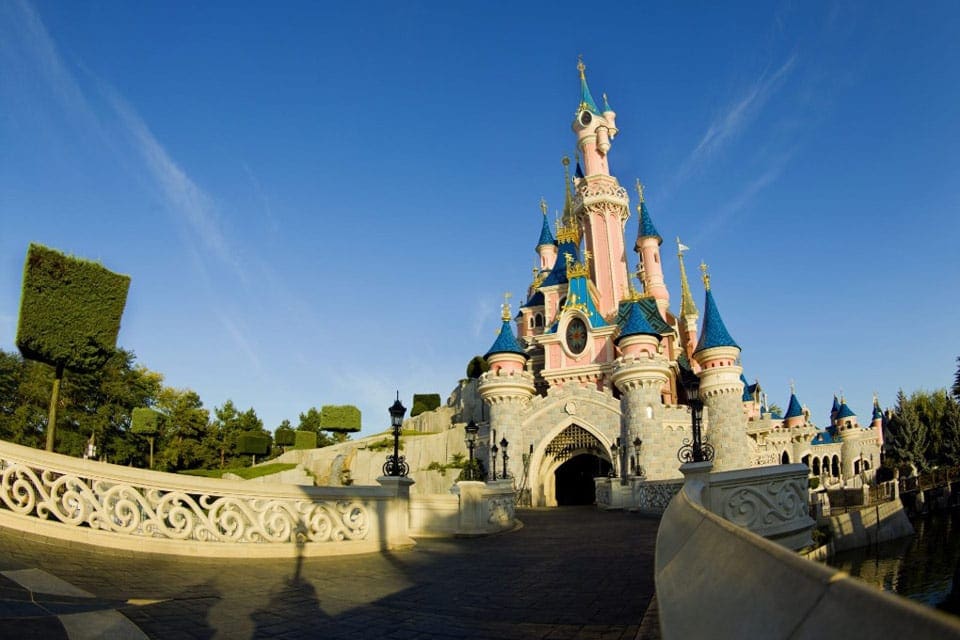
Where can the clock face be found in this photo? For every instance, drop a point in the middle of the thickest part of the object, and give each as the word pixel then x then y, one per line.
pixel 585 118
pixel 576 336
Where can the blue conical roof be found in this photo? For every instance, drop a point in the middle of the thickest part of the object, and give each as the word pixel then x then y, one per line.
pixel 586 99
pixel 747 394
pixel 845 411
pixel 647 230
pixel 506 342
pixel 714 333
pixel 546 236
pixel 877 412
pixel 794 410
pixel 579 172
pixel 836 406
pixel 558 275
pixel 636 324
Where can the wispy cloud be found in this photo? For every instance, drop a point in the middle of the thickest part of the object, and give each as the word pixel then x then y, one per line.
pixel 239 338
pixel 733 120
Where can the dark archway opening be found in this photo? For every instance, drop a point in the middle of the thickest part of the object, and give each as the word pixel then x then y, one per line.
pixel 575 479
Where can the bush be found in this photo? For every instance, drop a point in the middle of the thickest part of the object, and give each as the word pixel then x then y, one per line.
pixel 305 440
pixel 341 418
pixel 254 443
pixel 424 402
pixel 814 483
pixel 145 421
pixel 285 436
pixel 70 310
pixel 477 366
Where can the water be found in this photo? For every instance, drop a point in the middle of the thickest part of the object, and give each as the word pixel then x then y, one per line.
pixel 924 567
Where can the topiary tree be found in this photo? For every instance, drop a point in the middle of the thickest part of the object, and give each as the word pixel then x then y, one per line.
pixel 340 419
pixel 253 443
pixel 70 313
pixel 146 422
pixel 305 440
pixel 285 436
pixel 477 366
pixel 424 402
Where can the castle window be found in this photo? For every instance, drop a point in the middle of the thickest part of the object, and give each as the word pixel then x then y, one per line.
pixel 649 412
pixel 538 321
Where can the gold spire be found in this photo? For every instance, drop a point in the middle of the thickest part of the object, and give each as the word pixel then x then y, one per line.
pixel 567 194
pixel 543 205
pixel 505 307
pixel 706 276
pixel 577 269
pixel 639 192
pixel 687 306
pixel 581 67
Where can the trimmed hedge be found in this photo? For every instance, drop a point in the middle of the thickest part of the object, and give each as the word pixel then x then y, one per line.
pixel 424 402
pixel 285 437
pixel 342 418
pixel 254 443
pixel 145 421
pixel 70 310
pixel 305 440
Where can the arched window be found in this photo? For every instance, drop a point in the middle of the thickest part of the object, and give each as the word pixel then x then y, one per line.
pixel 836 467
pixel 785 458
pixel 856 467
pixel 538 321
pixel 816 466
pixel 806 460
pixel 649 412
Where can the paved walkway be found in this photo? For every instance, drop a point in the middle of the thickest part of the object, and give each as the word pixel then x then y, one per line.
pixel 569 573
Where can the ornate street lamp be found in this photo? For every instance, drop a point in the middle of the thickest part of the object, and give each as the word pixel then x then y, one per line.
pixel 503 446
pixel 395 464
pixel 493 460
pixel 695 450
pixel 471 441
pixel 637 443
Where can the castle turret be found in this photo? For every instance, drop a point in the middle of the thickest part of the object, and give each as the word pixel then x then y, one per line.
pixel 506 387
pixel 547 244
pixel 600 206
pixel 648 249
pixel 640 374
pixel 876 422
pixel 794 416
pixel 849 430
pixel 721 390
pixel 688 310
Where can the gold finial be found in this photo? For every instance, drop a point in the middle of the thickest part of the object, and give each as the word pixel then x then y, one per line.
pixel 793 388
pixel 580 66
pixel 566 161
pixel 505 307
pixel 543 206
pixel 706 276
pixel 640 189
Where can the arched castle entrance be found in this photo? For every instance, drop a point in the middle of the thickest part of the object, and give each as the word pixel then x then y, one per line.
pixel 566 464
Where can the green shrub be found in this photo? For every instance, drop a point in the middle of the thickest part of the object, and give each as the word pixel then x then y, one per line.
pixel 814 483
pixel 285 437
pixel 305 440
pixel 70 310
pixel 340 417
pixel 424 402
pixel 145 421
pixel 254 443
pixel 477 366
pixel 382 445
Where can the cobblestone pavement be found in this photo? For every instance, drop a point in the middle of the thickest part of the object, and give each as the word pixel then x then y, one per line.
pixel 568 573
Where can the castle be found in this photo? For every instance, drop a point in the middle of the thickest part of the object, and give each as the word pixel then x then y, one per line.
pixel 600 379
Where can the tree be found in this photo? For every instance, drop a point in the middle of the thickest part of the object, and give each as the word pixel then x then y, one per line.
pixel 70 313
pixel 908 436
pixel 224 435
pixel 146 422
pixel 184 441
pixel 340 420
pixel 312 421
pixel 956 382
pixel 284 436
pixel 477 366
pixel 424 402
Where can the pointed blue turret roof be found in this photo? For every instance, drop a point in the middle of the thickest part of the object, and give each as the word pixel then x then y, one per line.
pixel 579 170
pixel 636 324
pixel 794 410
pixel 558 275
pixel 606 104
pixel 747 390
pixel 877 411
pixel 506 342
pixel 845 411
pixel 586 99
pixel 546 236
pixel 714 333
pixel 648 305
pixel 647 230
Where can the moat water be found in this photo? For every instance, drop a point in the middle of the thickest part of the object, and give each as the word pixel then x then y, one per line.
pixel 924 567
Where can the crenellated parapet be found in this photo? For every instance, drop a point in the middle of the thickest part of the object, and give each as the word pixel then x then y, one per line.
pixel 601 191
pixel 501 386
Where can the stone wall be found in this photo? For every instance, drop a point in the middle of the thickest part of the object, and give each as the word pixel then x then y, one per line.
pixel 717 580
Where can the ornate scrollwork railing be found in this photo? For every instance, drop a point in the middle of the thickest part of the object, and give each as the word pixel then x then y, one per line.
pixel 688 452
pixel 60 490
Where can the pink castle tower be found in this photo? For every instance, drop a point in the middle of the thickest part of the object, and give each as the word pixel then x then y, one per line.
pixel 600 206
pixel 648 249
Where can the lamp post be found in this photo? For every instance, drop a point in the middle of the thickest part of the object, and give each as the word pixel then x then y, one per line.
pixel 695 450
pixel 395 464
pixel 613 454
pixel 503 446
pixel 493 460
pixel 471 441
pixel 637 443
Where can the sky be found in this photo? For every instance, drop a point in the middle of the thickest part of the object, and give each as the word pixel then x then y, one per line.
pixel 324 203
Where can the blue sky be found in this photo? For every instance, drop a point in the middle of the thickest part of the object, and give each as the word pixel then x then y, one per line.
pixel 322 204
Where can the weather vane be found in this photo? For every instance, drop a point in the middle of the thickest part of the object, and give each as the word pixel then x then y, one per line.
pixel 706 275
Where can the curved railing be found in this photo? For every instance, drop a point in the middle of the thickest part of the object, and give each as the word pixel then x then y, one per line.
pixel 717 580
pixel 103 504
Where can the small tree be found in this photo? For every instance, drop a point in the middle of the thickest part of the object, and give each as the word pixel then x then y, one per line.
pixel 340 419
pixel 305 440
pixel 477 366
pixel 253 443
pixel 70 313
pixel 147 423
pixel 284 436
pixel 424 402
